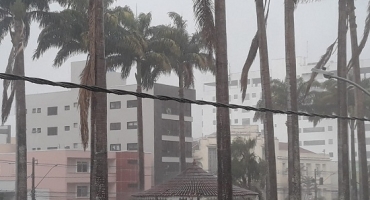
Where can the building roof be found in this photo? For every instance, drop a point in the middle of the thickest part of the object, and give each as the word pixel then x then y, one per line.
pixel 284 147
pixel 193 182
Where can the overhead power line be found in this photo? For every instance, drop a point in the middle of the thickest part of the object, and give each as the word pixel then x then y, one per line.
pixel 70 85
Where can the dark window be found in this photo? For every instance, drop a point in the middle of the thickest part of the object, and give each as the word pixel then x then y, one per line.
pixel 33 149
pixel 171 149
pixel 38 130
pixel 34 110
pixel 132 146
pixel 82 191
pixel 38 110
pixel 67 107
pixel 132 162
pixel 33 130
pixel 82 166
pixel 67 128
pixel 313 129
pixel 132 185
pixel 171 127
pixel 115 126
pixel 51 148
pixel 67 147
pixel 38 148
pixel 75 104
pixel 331 154
pixel 115 105
pixel 131 103
pixel 131 125
pixel 115 147
pixel 212 160
pixel 52 130
pixel 52 110
pixel 314 142
pixel 172 108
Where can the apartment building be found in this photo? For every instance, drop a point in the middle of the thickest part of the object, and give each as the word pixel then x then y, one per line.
pixel 64 174
pixel 205 153
pixel 319 139
pixel 53 122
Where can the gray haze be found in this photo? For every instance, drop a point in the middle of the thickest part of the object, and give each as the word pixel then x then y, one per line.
pixel 316 28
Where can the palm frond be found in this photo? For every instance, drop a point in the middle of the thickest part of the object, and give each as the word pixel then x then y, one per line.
pixel 322 62
pixel 177 20
pixel 115 61
pixel 8 101
pixel 188 73
pixel 5 24
pixel 68 50
pixel 203 11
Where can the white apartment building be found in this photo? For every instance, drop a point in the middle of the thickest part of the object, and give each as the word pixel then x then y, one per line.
pixel 53 122
pixel 319 139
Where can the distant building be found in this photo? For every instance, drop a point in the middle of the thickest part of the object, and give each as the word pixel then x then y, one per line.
pixel 5 134
pixel 65 174
pixel 319 139
pixel 53 122
pixel 205 153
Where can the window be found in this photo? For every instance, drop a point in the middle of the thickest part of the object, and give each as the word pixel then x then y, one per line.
pixel 132 162
pixel 67 147
pixel 38 130
pixel 131 125
pixel 330 128
pixel 235 96
pixel 67 107
pixel 34 110
pixel 331 154
pixel 75 104
pixel 115 105
pixel 235 121
pixel 115 126
pixel 33 130
pixel 38 148
pixel 132 185
pixel 212 160
pixel 314 142
pixel 38 110
pixel 131 103
pixel 52 130
pixel 254 95
pixel 246 121
pixel 82 166
pixel 82 191
pixel 115 147
pixel 67 128
pixel 132 146
pixel 51 148
pixel 75 145
pixel 75 125
pixel 330 141
pixel 33 149
pixel 313 129
pixel 52 110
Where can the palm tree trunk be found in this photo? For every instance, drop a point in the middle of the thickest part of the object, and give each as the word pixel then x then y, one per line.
pixel 92 146
pixel 353 163
pixel 140 135
pixel 20 100
pixel 271 187
pixel 222 96
pixel 294 176
pixel 359 103
pixel 343 157
pixel 182 123
pixel 100 157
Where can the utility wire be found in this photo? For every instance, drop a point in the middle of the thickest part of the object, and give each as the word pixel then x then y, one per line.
pixel 70 85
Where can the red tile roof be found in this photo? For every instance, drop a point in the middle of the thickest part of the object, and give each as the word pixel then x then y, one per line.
pixel 192 182
pixel 284 147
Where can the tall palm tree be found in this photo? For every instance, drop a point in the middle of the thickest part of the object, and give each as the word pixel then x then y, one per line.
pixel 343 166
pixel 294 175
pixel 151 59
pixel 266 93
pixel 191 57
pixel 222 96
pixel 359 112
pixel 15 18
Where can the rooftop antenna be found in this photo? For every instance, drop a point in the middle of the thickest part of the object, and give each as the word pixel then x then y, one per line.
pixel 136 10
pixel 307 51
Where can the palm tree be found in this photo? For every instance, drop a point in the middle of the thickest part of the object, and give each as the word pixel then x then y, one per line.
pixel 15 18
pixel 248 170
pixel 343 166
pixel 191 57
pixel 151 58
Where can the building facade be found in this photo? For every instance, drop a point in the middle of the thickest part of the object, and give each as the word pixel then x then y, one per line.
pixel 65 174
pixel 321 138
pixel 53 122
pixel 204 151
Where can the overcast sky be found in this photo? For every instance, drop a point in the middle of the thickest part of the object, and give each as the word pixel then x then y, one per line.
pixel 316 28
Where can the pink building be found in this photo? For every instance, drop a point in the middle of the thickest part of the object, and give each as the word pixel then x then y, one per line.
pixel 65 173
